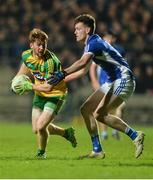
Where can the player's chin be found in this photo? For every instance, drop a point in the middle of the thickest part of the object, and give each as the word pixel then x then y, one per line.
pixel 40 54
pixel 78 39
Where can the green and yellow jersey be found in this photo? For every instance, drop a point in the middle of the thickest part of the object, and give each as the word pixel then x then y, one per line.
pixel 41 69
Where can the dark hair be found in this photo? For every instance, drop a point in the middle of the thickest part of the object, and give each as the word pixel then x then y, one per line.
pixel 37 34
pixel 88 20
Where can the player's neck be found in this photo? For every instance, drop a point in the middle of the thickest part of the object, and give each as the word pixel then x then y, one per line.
pixel 36 56
pixel 85 42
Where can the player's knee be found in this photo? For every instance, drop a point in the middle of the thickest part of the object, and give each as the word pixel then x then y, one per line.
pixel 40 128
pixel 101 114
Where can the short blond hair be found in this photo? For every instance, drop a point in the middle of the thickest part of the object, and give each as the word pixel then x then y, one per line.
pixel 37 34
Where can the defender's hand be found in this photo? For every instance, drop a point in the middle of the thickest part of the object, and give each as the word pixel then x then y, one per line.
pixel 56 77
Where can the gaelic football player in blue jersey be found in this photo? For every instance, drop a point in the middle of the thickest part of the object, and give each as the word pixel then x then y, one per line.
pixel 48 100
pixel 99 77
pixel 120 85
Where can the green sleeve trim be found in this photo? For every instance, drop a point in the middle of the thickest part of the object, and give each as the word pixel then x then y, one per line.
pixel 57 63
pixel 25 55
pixel 52 63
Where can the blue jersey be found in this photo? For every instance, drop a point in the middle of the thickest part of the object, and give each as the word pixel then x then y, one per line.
pixel 106 56
pixel 101 74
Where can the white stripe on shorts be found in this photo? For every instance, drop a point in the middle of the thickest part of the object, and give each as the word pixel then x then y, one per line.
pixel 123 87
pixel 120 87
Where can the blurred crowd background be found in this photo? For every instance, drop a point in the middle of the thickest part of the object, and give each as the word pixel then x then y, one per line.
pixel 131 20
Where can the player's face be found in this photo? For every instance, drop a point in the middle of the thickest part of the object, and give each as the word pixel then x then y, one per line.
pixel 39 48
pixel 81 32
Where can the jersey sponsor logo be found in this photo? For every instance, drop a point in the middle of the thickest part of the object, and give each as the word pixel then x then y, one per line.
pixel 38 76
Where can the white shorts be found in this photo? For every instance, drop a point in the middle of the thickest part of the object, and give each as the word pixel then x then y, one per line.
pixel 122 88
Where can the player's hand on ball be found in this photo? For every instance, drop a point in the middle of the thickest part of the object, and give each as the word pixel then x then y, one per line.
pixel 21 84
pixel 24 87
pixel 17 89
pixel 56 77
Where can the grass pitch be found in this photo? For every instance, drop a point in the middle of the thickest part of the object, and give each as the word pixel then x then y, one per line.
pixel 18 148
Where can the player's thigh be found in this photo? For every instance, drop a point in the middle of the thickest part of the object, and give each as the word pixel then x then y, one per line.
pixel 52 106
pixel 36 112
pixel 115 94
pixel 114 105
pixel 121 89
pixel 108 94
pixel 55 103
pixel 93 101
pixel 109 104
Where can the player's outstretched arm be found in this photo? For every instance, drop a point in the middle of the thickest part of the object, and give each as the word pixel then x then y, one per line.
pixel 79 64
pixel 58 76
pixel 77 74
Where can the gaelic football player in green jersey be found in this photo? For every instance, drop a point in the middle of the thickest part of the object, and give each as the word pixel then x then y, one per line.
pixel 48 100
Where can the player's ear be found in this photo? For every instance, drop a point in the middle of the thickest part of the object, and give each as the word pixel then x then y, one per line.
pixel 87 30
pixel 31 45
